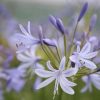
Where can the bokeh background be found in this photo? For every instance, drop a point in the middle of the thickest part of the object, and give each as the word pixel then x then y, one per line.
pixel 13 12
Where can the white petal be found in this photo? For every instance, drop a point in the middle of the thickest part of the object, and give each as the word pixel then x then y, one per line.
pixel 32 51
pixel 85 79
pixel 73 58
pixel 50 67
pixel 66 88
pixel 70 72
pixel 96 84
pixel 62 63
pixel 90 55
pixel 84 89
pixel 24 66
pixel 67 82
pixel 23 29
pixel 86 48
pixel 37 82
pixel 23 58
pixel 89 64
pixel 78 48
pixel 44 73
pixel 39 66
pixel 45 83
pixel 28 27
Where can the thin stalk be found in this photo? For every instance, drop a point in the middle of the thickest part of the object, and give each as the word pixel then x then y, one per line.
pixel 65 45
pixel 72 45
pixel 53 54
pixel 74 32
pixel 58 53
pixel 70 53
pixel 60 94
pixel 48 55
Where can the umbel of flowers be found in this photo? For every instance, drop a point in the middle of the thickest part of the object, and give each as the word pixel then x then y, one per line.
pixel 60 61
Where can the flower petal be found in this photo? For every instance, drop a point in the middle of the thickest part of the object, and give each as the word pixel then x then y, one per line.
pixel 23 30
pixel 89 64
pixel 70 72
pixel 78 48
pixel 96 84
pixel 66 88
pixel 90 55
pixel 44 73
pixel 50 67
pixel 45 83
pixel 62 63
pixel 50 42
pixel 84 89
pixel 23 58
pixel 86 48
pixel 37 82
pixel 73 58
pixel 28 27
pixel 66 81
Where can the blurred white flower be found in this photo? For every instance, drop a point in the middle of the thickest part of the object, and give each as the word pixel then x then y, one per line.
pixel 89 80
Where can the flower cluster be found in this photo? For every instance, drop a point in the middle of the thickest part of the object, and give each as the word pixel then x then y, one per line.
pixel 62 61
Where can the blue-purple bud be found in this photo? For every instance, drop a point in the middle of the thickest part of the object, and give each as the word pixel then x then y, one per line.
pixel 50 42
pixel 92 22
pixel 57 22
pixel 52 19
pixel 60 25
pixel 83 11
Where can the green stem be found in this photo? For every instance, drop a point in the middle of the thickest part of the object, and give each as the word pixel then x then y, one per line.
pixel 71 46
pixel 60 94
pixel 74 32
pixel 50 55
pixel 65 45
pixel 58 53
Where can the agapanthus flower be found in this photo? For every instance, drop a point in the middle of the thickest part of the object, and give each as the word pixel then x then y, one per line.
pixel 27 40
pixel 59 75
pixel 28 58
pixel 83 57
pixel 89 80
pixel 15 79
pixel 6 56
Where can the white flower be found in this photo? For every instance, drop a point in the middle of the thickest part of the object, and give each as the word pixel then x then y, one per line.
pixel 83 57
pixel 89 80
pixel 29 59
pixel 25 40
pixel 59 75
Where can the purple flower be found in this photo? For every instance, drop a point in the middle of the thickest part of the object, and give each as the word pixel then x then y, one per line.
pixel 89 80
pixel 15 80
pixel 6 56
pixel 26 40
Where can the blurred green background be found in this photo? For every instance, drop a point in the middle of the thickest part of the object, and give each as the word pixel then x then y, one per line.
pixel 37 11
